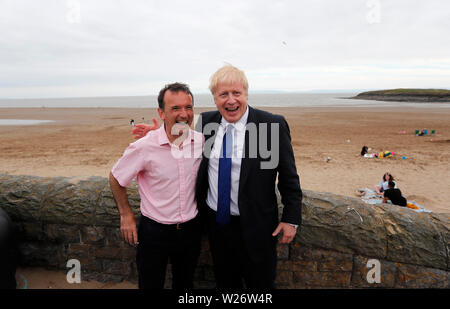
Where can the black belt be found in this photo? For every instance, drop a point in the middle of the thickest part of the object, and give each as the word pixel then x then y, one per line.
pixel 176 226
pixel 213 213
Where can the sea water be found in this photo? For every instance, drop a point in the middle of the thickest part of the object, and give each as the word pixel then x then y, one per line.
pixel 206 100
pixel 22 122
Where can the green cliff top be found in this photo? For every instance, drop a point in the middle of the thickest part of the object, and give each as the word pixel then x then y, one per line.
pixel 408 92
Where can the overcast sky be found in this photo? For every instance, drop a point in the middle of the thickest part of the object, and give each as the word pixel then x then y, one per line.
pixel 75 48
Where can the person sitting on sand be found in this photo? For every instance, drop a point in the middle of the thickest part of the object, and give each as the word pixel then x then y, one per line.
pixel 383 185
pixel 364 150
pixel 395 195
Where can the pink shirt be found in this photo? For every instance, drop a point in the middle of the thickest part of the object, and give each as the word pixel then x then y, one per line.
pixel 165 173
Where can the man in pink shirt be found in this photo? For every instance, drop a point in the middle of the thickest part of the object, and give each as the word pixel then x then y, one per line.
pixel 165 163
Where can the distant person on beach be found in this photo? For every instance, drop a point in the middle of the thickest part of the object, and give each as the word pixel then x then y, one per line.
pixel 364 150
pixel 132 122
pixel 169 227
pixel 394 195
pixel 236 194
pixel 383 185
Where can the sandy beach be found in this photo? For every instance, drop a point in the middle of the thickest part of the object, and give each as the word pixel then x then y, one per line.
pixel 87 142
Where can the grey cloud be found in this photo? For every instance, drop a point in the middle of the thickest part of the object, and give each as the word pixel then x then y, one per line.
pixel 140 41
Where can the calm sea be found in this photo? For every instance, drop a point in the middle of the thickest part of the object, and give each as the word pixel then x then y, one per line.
pixel 206 100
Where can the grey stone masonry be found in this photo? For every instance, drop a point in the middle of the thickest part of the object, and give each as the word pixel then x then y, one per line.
pixel 60 218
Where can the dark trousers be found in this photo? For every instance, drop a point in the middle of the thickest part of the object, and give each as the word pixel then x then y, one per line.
pixel 160 242
pixel 232 265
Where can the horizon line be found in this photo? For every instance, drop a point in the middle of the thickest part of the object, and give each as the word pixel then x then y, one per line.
pixel 312 91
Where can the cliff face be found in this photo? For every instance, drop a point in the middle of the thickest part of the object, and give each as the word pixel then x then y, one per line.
pixel 60 219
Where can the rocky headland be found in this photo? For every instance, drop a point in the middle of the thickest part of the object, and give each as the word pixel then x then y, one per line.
pixel 406 95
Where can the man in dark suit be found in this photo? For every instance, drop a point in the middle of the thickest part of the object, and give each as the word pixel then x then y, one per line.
pixel 235 186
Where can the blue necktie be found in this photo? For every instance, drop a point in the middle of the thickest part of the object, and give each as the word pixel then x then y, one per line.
pixel 224 190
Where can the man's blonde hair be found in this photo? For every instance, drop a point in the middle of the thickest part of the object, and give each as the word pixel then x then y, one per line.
pixel 228 74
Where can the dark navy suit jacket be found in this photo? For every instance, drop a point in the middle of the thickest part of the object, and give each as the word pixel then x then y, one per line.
pixel 257 200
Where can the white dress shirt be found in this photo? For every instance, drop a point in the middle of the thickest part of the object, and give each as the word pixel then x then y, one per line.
pixel 238 131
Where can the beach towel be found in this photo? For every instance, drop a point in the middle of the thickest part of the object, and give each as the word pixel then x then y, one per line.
pixel 385 154
pixel 381 155
pixel 416 207
pixel 369 196
pixel 370 155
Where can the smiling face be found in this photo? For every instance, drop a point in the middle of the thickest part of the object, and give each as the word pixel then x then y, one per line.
pixel 178 109
pixel 231 101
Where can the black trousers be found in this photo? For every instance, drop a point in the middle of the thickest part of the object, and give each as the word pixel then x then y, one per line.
pixel 160 242
pixel 232 265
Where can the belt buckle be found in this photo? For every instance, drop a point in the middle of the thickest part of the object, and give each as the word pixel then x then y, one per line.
pixel 178 226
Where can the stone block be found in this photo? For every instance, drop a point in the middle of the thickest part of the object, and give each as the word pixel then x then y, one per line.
pixel 106 210
pixel 70 201
pixel 63 233
pixel 117 253
pixel 442 222
pixel 107 252
pixel 93 235
pixel 102 277
pixel 115 267
pixel 21 196
pixel 301 252
pixel 284 265
pixel 334 222
pixel 313 279
pixel 282 251
pixel 328 260
pixel 89 264
pixel 128 254
pixel 41 254
pixel 113 237
pixel 284 279
pixel 76 251
pixel 412 276
pixel 31 231
pixel 415 238
pixel 304 266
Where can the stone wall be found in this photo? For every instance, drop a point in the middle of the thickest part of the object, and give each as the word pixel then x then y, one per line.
pixel 59 219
